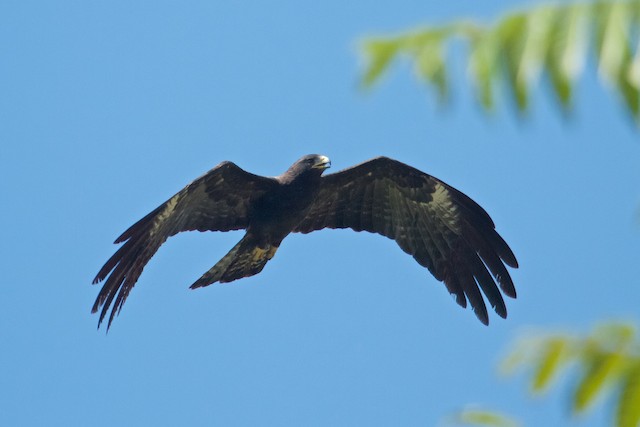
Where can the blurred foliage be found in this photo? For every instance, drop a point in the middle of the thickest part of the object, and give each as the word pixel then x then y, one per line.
pixel 550 40
pixel 482 418
pixel 606 363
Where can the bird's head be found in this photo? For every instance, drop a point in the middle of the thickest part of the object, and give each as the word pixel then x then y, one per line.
pixel 311 165
pixel 316 161
pixel 312 162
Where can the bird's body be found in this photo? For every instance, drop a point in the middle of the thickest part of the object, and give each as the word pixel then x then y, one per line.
pixel 271 216
pixel 443 229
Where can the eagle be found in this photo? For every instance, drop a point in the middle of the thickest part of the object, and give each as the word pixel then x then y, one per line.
pixel 444 230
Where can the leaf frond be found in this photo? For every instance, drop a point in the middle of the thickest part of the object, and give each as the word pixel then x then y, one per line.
pixel 605 364
pixel 551 40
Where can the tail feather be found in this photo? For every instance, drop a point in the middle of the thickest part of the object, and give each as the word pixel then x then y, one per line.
pixel 245 259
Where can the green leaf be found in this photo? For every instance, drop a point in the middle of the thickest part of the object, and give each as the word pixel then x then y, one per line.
pixel 614 336
pixel 415 41
pixel 613 24
pixel 539 24
pixel 628 410
pixel 634 69
pixel 553 355
pixel 486 418
pixel 629 91
pixel 379 53
pixel 614 51
pixel 430 66
pixel 483 67
pixel 519 355
pixel 567 51
pixel 601 369
pixel 510 33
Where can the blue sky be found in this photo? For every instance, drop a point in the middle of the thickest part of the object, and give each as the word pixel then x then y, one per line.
pixel 109 108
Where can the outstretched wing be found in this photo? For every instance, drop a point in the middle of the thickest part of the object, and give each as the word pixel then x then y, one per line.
pixel 218 201
pixel 443 229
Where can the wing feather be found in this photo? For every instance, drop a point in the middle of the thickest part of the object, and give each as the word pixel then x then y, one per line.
pixel 468 284
pixel 442 228
pixel 218 201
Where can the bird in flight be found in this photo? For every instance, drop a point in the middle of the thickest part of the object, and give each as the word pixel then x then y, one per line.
pixel 442 228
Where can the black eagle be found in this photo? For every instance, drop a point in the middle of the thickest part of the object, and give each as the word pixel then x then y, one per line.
pixel 442 228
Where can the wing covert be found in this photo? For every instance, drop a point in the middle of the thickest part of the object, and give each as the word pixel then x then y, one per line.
pixel 442 228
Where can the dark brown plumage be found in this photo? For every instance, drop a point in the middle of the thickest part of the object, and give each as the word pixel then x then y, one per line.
pixel 443 229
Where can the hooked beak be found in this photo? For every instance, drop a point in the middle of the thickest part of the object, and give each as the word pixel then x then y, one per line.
pixel 322 162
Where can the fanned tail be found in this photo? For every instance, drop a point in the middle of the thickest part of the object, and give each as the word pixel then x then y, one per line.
pixel 245 259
